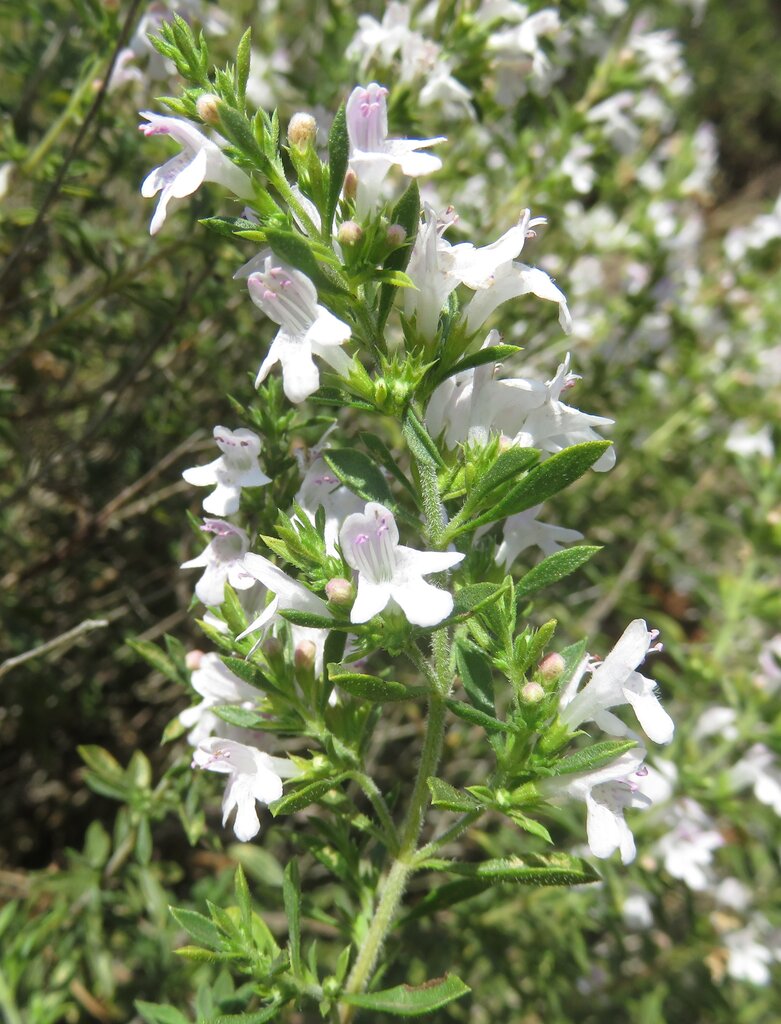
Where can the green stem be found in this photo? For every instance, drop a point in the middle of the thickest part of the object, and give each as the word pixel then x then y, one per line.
pixel 395 882
pixel 370 788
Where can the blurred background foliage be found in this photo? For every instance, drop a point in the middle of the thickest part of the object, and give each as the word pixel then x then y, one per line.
pixel 116 357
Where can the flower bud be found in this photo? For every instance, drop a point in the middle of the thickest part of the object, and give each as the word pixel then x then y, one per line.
pixel 380 392
pixel 193 660
pixel 349 233
pixel 551 667
pixel 350 184
pixel 505 443
pixel 396 235
pixel 532 693
pixel 272 648
pixel 301 130
pixel 340 591
pixel 304 657
pixel 208 107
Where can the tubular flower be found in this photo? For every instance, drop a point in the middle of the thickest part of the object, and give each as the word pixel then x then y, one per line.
pixel 253 776
pixel 389 570
pixel 200 160
pixel 221 561
pixel 214 682
pixel 523 531
pixel 372 153
pixel 237 467
pixel 289 298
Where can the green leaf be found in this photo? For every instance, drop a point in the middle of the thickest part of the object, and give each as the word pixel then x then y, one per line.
pixel 541 483
pixel 258 1017
pixel 259 864
pixel 243 718
pixel 246 671
pixel 530 825
pixel 237 129
pixel 159 1013
pixel 508 465
pixel 152 654
pixel 554 568
pixel 419 441
pixel 198 927
pixel 291 894
pixel 594 756
pixel 475 717
pixel 312 621
pixel 572 655
pixel 293 248
pixel 338 157
pixel 360 475
pixel 385 456
pixel 406 213
pixel 304 797
pixel 492 354
pixel 228 227
pixel 232 611
pixel 532 869
pixel 451 799
pixel 243 901
pixel 372 688
pixel 443 896
pixel 475 671
pixel 408 1000
pixel 243 57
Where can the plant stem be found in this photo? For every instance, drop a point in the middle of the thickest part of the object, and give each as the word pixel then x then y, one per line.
pixel 395 882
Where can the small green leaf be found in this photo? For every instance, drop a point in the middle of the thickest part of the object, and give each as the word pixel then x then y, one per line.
pixel 152 654
pixel 385 456
pixel 338 156
pixel 246 671
pixel 294 249
pixel 198 927
pixel 243 901
pixel 419 441
pixel 475 717
pixel 243 718
pixel 237 129
pixel 507 466
pixel 542 482
pixel 312 621
pixel 533 869
pixel 243 58
pixel 530 825
pixel 372 688
pixel 475 671
pixel 258 1017
pixel 304 797
pixel 291 894
pixel 594 756
pixel 360 475
pixel 228 227
pixel 159 1013
pixel 554 568
pixel 408 1000
pixel 451 799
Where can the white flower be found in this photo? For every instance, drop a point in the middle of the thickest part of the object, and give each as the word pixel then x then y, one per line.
pixel 217 685
pixel 553 426
pixel 289 298
pixel 769 662
pixel 288 594
pixel 743 441
pixel 615 682
pixel 237 467
pixel 389 570
pixel 380 40
pixel 716 720
pixel 759 769
pixel 751 951
pixel 321 489
pixel 372 153
pixel 221 561
pixel 510 281
pixel 607 793
pixel 523 531
pixel 437 268
pixel 637 911
pixel 688 848
pixel 252 776
pixel 200 160
pixel 467 405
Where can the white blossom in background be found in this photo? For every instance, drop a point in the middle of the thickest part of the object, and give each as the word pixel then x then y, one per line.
pixel 518 58
pixel 742 440
pixel 307 329
pixel 372 153
pixel 688 848
pixel 222 562
pixel 214 682
pixel 389 571
pixel 752 950
pixel 236 468
pixel 607 793
pixel 637 911
pixel 200 160
pixel 759 769
pixel 716 720
pixel 253 777
pixel 321 489
pixel 615 682
pixel 554 426
pixel 523 531
pixel 769 664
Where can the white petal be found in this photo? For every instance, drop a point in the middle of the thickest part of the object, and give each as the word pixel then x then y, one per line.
pixel 300 376
pixel 210 588
pixel 655 721
pixel 418 563
pixel 191 177
pixel 328 329
pixel 223 501
pixel 202 476
pixel 262 620
pixel 370 600
pixel 422 603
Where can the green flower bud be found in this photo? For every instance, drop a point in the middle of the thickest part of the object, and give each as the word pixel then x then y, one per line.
pixel 532 693
pixel 340 592
pixel 349 233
